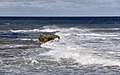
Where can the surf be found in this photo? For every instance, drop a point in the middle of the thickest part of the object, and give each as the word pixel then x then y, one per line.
pixel 71 46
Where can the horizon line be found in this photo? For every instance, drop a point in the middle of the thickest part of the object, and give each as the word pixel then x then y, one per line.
pixel 59 15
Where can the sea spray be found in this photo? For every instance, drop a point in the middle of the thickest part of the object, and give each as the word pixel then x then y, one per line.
pixel 70 46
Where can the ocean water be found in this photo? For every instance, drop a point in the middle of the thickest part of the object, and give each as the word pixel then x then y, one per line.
pixel 87 46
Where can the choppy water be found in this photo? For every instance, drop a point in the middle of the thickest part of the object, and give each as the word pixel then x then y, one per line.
pixel 80 51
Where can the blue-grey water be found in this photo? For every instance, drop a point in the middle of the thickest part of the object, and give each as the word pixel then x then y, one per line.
pixel 87 46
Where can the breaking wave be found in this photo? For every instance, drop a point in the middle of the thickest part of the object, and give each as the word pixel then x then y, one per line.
pixel 83 46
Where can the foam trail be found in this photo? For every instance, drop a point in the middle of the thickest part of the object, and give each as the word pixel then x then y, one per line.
pixel 93 34
pixel 27 39
pixel 34 30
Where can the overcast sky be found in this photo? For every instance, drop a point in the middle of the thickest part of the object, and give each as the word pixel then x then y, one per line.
pixel 60 7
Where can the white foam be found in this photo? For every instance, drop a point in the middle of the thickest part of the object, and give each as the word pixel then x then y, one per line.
pixel 95 34
pixel 67 47
pixel 13 46
pixel 49 30
pixel 34 30
pixel 106 29
pixel 26 39
pixel 80 55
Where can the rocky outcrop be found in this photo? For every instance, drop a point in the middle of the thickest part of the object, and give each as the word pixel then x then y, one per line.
pixel 47 37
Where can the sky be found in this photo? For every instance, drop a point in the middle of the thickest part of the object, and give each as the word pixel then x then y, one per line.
pixel 59 7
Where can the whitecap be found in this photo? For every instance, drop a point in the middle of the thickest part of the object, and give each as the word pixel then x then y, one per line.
pixel 27 39
pixel 33 30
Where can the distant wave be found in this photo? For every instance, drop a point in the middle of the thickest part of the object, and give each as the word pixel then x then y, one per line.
pixel 34 30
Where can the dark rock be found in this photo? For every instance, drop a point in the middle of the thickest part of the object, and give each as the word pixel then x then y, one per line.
pixel 47 37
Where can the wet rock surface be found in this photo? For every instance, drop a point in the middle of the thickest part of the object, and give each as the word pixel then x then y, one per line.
pixel 47 37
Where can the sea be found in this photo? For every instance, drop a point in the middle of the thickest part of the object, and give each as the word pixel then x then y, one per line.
pixel 87 46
